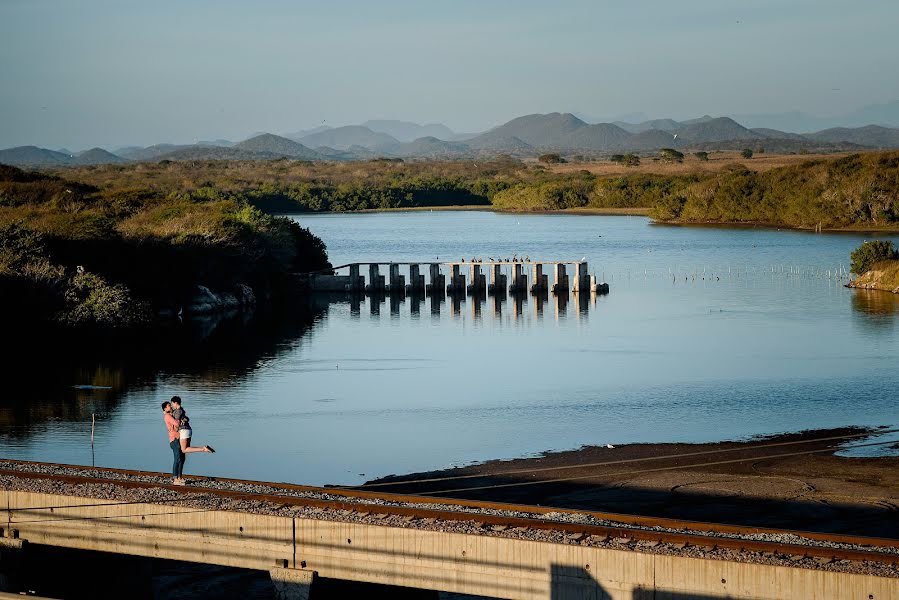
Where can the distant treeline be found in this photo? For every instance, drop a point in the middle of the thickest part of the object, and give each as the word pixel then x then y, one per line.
pixel 859 190
pixel 302 186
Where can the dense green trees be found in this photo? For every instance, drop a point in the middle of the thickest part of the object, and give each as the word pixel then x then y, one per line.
pixel 870 253
pixel 75 255
pixel 860 190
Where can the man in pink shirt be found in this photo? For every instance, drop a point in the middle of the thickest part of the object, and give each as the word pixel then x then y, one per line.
pixel 172 425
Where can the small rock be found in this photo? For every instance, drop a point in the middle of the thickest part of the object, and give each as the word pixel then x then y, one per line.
pixel 796 557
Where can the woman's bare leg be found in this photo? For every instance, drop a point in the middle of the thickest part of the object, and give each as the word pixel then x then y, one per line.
pixel 187 448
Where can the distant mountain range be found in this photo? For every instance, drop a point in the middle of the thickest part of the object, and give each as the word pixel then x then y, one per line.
pixel 523 136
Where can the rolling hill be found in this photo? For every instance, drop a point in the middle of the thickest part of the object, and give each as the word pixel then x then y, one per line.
pixel 32 156
pixel 405 131
pixel 873 136
pixel 96 156
pixel 543 131
pixel 344 138
pixel 430 147
pixel 714 130
pixel 274 145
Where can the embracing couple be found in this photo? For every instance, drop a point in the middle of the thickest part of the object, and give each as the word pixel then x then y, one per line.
pixel 178 425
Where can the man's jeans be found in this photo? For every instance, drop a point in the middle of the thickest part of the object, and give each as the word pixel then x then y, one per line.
pixel 178 464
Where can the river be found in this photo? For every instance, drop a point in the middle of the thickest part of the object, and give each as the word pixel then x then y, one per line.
pixel 707 334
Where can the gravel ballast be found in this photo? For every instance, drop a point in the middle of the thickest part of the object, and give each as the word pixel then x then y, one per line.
pixel 368 512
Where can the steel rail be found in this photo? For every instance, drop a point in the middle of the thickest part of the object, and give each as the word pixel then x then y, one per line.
pixel 629 529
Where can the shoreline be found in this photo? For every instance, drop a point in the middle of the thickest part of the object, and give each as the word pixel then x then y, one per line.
pixel 792 480
pixel 610 211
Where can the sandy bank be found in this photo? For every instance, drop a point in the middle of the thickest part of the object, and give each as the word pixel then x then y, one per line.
pixel 775 481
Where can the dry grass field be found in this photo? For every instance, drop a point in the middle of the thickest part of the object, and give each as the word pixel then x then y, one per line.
pixel 691 164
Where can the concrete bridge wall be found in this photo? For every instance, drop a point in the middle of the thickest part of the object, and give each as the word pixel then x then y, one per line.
pixel 452 562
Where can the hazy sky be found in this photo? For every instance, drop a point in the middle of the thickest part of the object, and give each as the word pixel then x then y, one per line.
pixel 80 73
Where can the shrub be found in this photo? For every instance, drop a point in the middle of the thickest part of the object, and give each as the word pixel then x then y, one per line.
pixel 703 156
pixel 671 155
pixel 746 153
pixel 550 159
pixel 869 253
pixel 92 300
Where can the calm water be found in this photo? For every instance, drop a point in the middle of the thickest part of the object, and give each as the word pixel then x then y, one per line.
pixel 707 334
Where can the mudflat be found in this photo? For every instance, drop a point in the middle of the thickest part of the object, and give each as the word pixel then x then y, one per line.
pixel 791 481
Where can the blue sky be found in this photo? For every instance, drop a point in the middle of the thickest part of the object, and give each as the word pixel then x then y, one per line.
pixel 114 72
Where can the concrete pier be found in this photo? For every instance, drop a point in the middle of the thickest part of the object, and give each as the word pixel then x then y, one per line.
pixel 416 283
pixel 438 280
pixel 498 280
pixel 456 283
pixel 357 281
pixel 581 278
pixel 561 279
pixel 396 282
pixel 375 280
pixel 519 283
pixel 478 281
pixel 540 281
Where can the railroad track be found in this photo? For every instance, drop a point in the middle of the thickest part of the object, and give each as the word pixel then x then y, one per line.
pixel 492 516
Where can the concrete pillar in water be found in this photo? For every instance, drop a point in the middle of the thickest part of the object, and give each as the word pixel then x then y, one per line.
pixel 561 276
pixel 519 279
pixel 540 280
pixel 397 281
pixel 581 279
pixel 357 282
pixel 292 584
pixel 498 281
pixel 416 280
pixel 375 279
pixel 438 280
pixel 478 281
pixel 456 283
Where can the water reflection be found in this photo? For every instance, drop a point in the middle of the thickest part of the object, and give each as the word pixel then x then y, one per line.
pixel 79 376
pixel 875 303
pixel 875 310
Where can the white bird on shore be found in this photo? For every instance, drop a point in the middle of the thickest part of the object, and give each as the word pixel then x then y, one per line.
pixel 609 446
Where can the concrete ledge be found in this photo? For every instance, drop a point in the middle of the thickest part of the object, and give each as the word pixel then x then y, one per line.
pixel 451 562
